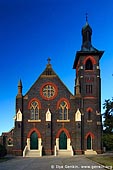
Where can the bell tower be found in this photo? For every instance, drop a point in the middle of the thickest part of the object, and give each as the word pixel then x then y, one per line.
pixel 88 74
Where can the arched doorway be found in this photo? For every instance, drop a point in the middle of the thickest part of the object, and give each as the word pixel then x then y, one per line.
pixel 62 141
pixel 34 141
pixel 89 142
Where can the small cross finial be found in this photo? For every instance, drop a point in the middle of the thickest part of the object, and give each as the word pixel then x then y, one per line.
pixel 86 17
pixel 48 60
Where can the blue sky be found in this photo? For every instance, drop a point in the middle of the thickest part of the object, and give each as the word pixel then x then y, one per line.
pixel 33 30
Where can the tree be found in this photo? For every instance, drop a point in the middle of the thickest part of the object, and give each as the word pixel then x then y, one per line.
pixel 108 124
pixel 108 115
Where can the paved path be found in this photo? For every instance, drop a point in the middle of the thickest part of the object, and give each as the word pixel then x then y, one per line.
pixel 50 163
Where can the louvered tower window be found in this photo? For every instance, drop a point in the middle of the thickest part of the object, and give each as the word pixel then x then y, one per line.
pixel 88 65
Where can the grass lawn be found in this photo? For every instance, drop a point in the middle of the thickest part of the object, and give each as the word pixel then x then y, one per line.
pixel 106 160
pixel 5 159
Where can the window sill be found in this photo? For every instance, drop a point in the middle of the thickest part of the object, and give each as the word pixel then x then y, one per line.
pixel 99 123
pixel 89 121
pixel 63 121
pixel 34 121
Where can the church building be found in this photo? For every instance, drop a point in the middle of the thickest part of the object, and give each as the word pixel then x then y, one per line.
pixel 50 120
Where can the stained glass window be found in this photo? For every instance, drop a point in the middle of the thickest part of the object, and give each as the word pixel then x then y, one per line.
pixel 48 91
pixel 63 110
pixel 34 109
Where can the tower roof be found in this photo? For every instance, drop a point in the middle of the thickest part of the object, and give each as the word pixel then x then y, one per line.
pixel 87 47
pixel 86 38
pixel 86 27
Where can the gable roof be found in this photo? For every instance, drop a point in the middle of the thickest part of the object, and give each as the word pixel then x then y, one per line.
pixel 48 73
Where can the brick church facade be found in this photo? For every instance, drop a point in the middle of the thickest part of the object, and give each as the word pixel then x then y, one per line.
pixel 50 120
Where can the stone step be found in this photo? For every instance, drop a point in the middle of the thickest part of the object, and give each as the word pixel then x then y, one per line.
pixel 64 153
pixel 33 153
pixel 90 152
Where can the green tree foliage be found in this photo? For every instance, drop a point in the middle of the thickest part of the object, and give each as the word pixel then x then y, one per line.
pixel 108 141
pixel 108 124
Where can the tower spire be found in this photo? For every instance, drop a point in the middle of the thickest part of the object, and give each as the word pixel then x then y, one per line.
pixel 86 35
pixel 20 88
pixel 77 86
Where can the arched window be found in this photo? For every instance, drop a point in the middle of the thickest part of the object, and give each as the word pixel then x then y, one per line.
pixel 63 110
pixel 10 142
pixel 89 114
pixel 88 65
pixel 34 109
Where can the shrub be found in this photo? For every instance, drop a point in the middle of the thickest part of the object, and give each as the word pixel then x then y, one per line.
pixel 3 151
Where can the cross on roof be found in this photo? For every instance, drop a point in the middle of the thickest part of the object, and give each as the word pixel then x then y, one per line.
pixel 48 60
pixel 86 17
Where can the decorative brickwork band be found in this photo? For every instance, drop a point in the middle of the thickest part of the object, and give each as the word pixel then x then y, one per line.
pixel 66 132
pixel 34 99
pixel 91 58
pixel 91 134
pixel 61 100
pixel 34 130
